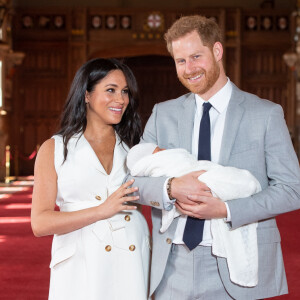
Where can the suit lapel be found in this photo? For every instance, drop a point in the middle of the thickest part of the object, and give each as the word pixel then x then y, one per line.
pixel 186 115
pixel 85 150
pixel 234 116
pixel 120 153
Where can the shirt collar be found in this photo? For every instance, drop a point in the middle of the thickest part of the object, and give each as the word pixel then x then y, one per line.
pixel 219 101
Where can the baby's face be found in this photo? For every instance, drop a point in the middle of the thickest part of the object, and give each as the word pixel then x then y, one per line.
pixel 157 149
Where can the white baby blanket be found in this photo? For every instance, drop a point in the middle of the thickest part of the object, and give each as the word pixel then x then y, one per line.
pixel 238 246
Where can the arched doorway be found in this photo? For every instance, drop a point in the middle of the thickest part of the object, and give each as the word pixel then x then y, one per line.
pixel 157 81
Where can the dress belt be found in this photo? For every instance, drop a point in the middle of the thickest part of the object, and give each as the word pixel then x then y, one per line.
pixel 114 223
pixel 74 206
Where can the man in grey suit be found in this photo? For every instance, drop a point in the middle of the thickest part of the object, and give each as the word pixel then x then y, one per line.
pixel 245 132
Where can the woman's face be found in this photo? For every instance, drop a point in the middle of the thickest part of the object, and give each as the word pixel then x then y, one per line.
pixel 108 101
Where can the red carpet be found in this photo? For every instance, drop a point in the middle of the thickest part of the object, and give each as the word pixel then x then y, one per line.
pixel 289 225
pixel 24 259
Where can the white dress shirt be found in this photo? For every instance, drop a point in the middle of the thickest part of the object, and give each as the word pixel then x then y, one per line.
pixel 217 116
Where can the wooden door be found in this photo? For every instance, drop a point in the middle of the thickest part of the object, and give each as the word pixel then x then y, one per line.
pixel 157 81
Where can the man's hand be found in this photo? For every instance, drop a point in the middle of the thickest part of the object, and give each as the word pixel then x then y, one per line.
pixel 194 198
pixel 203 206
pixel 188 185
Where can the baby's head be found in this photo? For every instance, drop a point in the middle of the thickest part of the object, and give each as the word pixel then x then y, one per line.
pixel 139 151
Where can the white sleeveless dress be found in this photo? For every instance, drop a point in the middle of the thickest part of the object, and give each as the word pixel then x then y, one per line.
pixel 108 259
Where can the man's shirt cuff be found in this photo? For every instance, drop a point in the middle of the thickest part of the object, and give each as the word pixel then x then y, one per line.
pixel 228 219
pixel 167 203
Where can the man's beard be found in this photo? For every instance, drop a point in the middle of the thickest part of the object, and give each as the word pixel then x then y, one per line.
pixel 208 79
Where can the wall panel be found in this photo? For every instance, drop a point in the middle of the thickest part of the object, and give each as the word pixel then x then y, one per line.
pixel 56 49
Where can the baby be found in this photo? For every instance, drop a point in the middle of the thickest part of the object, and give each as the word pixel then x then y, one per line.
pixel 226 183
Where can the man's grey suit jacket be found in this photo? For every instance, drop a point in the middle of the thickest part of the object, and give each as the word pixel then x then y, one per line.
pixel 255 138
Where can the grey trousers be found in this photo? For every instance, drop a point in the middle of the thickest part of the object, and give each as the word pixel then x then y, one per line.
pixel 191 275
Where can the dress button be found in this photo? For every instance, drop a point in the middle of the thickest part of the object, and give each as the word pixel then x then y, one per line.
pixel 98 197
pixel 127 218
pixel 169 241
pixel 131 247
pixel 108 248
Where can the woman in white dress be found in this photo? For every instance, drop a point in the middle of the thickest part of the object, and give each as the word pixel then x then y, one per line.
pixel 101 243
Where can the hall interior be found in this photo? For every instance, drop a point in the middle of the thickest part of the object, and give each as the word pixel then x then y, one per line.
pixel 43 43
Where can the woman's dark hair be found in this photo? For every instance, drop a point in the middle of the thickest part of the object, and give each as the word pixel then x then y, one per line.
pixel 73 119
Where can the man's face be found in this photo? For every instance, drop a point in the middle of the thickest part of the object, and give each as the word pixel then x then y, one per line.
pixel 196 65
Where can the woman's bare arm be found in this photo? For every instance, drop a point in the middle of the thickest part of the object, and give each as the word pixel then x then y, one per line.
pixel 46 221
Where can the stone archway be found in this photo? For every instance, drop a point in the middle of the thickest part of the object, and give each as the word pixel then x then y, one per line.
pixel 131 50
pixel 154 70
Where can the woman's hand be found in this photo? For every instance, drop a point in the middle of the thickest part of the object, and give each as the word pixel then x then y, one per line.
pixel 116 202
pixel 46 221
